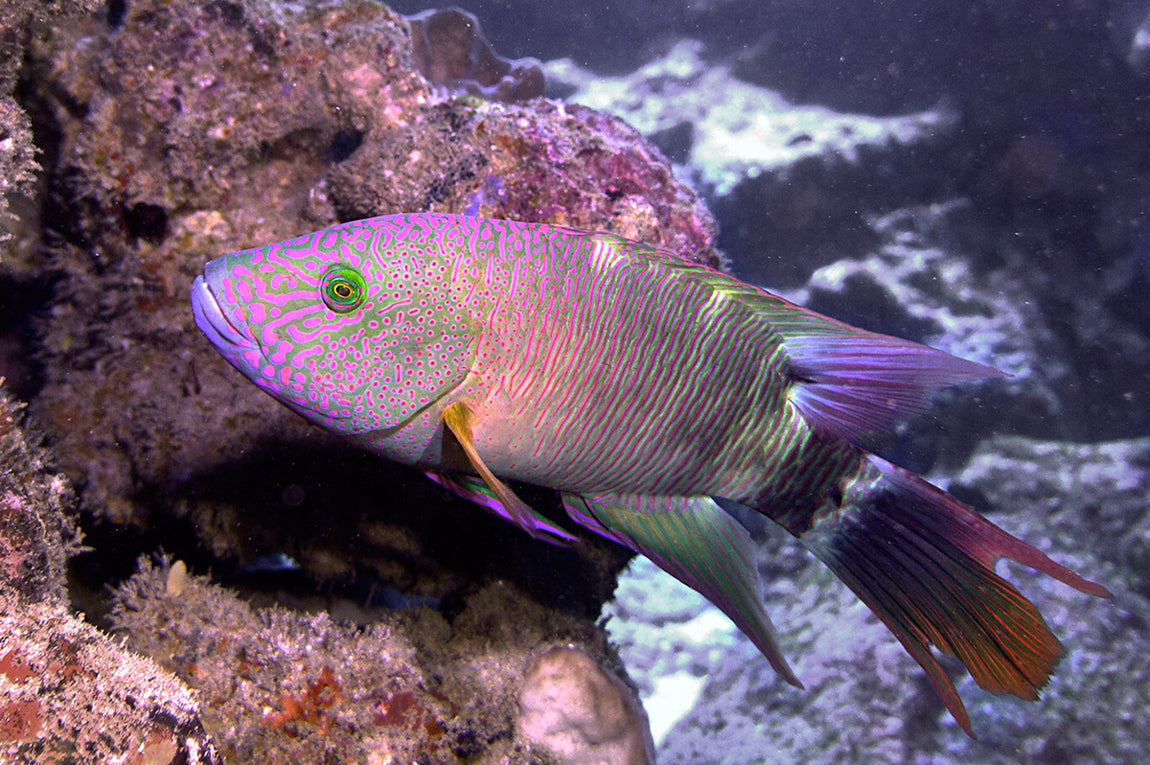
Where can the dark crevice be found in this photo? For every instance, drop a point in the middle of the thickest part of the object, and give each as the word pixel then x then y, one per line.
pixel 20 302
pixel 146 221
pixel 116 11
pixel 344 143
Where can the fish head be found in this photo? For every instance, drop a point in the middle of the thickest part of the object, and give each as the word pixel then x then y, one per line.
pixel 354 327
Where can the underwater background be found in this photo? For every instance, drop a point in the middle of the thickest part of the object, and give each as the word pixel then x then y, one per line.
pixel 190 573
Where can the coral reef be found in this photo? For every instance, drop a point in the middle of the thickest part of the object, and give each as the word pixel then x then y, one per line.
pixel 227 681
pixel 67 691
pixel 722 129
pixel 1028 251
pixel 786 178
pixel 992 200
pixel 1008 62
pixel 18 166
pixel 863 700
pixel 17 160
pixel 175 132
pixel 165 162
pixel 924 281
pixel 941 274
pixel 37 528
pixel 280 686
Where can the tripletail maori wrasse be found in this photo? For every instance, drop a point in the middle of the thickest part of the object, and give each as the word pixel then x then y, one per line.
pixel 640 386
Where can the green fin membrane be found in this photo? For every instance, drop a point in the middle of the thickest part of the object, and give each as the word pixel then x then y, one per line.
pixel 924 563
pixel 695 541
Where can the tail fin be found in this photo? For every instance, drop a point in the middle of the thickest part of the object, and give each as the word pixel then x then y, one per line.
pixel 924 563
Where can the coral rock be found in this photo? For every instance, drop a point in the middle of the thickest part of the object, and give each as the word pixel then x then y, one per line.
pixel 67 691
pixel 581 714
pixel 291 687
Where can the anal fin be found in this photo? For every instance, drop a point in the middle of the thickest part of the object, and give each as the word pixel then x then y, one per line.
pixel 695 541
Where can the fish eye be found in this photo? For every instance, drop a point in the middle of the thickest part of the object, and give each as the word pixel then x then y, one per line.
pixel 342 288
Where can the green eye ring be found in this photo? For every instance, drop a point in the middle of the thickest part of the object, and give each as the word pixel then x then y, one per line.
pixel 342 288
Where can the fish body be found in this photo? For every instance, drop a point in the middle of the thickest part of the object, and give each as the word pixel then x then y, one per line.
pixel 640 386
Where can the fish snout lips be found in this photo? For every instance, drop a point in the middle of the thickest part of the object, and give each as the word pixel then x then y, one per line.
pixel 210 317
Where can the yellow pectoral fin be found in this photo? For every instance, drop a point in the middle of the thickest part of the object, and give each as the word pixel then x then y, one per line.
pixel 457 418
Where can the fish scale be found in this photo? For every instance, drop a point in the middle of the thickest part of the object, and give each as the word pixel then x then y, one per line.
pixel 582 367
pixel 639 386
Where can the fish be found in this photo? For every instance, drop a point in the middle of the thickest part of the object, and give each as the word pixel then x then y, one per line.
pixel 646 390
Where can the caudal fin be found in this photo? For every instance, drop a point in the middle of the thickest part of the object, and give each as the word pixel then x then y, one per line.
pixel 924 563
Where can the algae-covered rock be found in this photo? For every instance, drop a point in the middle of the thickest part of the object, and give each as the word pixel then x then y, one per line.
pixel 280 686
pixel 19 21
pixel 68 692
pixel 790 181
pixel 449 49
pixel 38 529
pixel 178 132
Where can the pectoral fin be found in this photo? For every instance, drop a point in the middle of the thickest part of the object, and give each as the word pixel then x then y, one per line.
pixel 695 541
pixel 457 418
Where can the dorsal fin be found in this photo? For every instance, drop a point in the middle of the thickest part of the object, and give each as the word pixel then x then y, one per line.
pixel 851 383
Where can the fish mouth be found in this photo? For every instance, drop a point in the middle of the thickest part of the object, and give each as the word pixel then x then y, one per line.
pixel 236 346
pixel 211 320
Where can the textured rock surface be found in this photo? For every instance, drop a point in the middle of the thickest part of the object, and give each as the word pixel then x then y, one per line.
pixel 581 714
pixel 162 152
pixel 1010 223
pixel 787 179
pixel 37 522
pixel 449 49
pixel 19 20
pixel 1004 59
pixel 282 686
pixel 67 691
